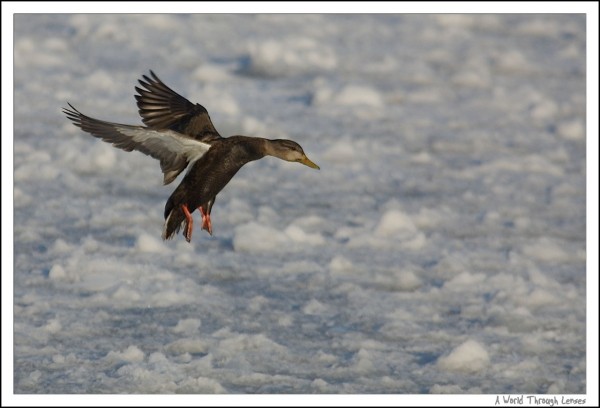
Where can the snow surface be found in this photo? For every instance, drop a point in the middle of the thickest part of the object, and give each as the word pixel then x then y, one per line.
pixel 441 248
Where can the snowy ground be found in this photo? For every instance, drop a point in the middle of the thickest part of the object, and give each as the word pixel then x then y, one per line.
pixel 441 248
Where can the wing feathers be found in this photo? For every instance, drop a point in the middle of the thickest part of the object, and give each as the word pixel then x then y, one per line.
pixel 172 149
pixel 162 108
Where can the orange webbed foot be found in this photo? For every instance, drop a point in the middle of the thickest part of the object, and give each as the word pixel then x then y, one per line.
pixel 206 223
pixel 189 225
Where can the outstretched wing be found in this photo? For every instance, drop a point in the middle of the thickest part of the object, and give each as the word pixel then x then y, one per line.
pixel 174 150
pixel 163 108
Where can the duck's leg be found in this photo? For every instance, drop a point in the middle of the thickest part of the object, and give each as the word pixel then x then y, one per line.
pixel 189 223
pixel 206 224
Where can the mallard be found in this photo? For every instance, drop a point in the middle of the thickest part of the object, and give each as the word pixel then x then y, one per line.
pixel 181 135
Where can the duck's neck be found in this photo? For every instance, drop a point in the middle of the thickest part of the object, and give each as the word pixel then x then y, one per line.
pixel 254 147
pixel 268 148
pixel 258 147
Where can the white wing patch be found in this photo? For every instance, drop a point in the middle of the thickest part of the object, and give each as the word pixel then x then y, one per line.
pixel 174 150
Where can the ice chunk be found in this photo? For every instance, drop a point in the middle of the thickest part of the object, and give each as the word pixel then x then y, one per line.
pixel 469 357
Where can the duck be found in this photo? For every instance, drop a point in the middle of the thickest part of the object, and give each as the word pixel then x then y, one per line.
pixel 180 134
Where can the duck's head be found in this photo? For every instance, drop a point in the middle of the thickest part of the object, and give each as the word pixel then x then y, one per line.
pixel 290 151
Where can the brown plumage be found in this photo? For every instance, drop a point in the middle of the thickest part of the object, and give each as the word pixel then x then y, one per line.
pixel 179 134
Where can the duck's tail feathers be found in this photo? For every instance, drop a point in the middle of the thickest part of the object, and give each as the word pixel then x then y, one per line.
pixel 174 218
